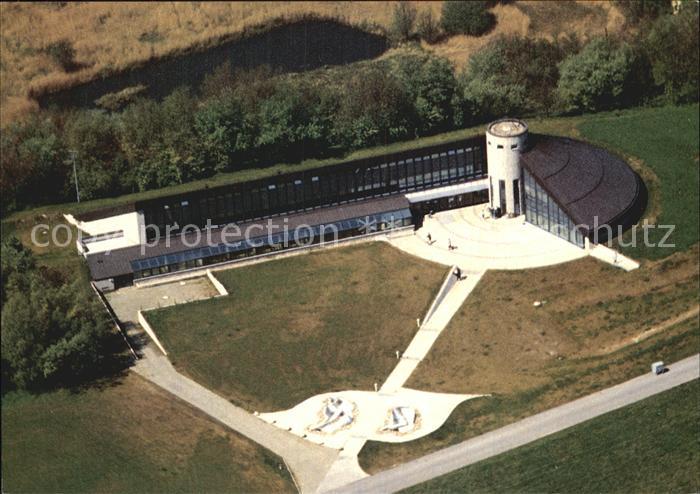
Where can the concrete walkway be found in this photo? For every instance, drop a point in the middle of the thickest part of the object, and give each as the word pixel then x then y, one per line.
pixel 525 431
pixel 347 469
pixel 308 462
pixel 430 331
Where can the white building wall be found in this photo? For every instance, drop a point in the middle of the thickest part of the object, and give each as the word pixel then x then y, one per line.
pixel 503 155
pixel 129 224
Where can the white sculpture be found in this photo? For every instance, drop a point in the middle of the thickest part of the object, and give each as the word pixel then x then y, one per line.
pixel 338 414
pixel 402 419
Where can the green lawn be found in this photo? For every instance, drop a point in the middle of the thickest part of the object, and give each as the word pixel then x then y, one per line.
pixel 666 140
pixel 300 326
pixel 651 446
pixel 531 359
pixel 128 437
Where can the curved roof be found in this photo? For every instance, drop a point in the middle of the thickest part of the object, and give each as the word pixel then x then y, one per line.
pixel 585 180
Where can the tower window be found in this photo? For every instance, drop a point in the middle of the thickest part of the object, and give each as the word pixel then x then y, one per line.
pixel 513 146
pixel 500 146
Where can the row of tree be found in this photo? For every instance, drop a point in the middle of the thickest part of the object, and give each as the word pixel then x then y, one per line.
pixel 240 120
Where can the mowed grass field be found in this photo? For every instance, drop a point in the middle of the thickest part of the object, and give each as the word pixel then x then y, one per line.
pixel 667 141
pixel 127 437
pixel 300 326
pixel 651 446
pixel 532 359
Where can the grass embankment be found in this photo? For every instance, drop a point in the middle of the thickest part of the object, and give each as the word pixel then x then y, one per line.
pixel 650 446
pixel 532 359
pixel 129 436
pixel 297 327
pixel 666 140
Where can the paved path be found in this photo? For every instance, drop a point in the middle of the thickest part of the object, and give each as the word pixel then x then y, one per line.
pixel 347 469
pixel 525 431
pixel 430 330
pixel 308 462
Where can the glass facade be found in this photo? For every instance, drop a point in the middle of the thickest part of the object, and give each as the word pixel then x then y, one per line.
pixel 338 184
pixel 203 256
pixel 542 211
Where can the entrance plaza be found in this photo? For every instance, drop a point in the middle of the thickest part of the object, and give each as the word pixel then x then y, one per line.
pixel 474 241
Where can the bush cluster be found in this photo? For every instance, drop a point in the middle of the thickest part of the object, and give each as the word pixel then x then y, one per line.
pixel 467 17
pixel 54 332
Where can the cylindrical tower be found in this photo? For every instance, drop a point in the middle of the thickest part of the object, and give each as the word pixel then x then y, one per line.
pixel 505 140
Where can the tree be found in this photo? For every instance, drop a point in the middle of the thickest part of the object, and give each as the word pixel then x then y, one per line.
pixel 512 75
pixel 597 77
pixel 34 167
pixel 374 109
pixel 430 83
pixel 673 49
pixel 161 143
pixel 220 125
pixel 467 17
pixel 101 165
pixel 16 262
pixel 403 21
pixel 290 122
pixel 53 335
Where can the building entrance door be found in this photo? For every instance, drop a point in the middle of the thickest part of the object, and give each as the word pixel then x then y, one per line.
pixel 502 195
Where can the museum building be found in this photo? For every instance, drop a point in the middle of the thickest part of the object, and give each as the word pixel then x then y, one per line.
pixel 567 187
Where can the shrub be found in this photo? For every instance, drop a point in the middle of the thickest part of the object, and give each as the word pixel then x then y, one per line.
pixel 427 27
pixel 599 77
pixel 467 17
pixel 63 53
pixel 403 21
pixel 636 11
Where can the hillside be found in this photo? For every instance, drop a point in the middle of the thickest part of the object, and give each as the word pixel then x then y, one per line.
pixel 108 36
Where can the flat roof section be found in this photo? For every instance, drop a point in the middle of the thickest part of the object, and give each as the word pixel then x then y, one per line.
pixel 507 127
pixel 585 180
pixel 105 265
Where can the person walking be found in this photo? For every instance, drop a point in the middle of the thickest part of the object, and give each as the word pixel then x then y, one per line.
pixel 430 239
pixel 458 273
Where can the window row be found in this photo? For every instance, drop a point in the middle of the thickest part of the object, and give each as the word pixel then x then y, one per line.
pixel 315 189
pixel 262 244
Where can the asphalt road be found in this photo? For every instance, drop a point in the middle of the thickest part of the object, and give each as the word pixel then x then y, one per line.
pixel 530 429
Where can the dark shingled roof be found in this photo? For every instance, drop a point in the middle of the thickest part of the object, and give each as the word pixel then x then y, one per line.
pixel 118 262
pixel 585 180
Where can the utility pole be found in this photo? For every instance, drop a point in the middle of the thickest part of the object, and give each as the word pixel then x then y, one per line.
pixel 75 174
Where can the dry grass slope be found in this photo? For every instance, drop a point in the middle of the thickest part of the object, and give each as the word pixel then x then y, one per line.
pixel 109 36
